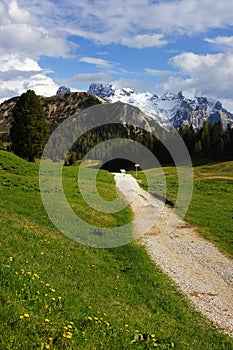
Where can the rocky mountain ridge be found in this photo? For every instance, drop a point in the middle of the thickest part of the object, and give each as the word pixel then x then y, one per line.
pixel 57 108
pixel 169 110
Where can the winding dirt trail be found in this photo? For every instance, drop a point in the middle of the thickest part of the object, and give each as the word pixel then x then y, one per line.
pixel 201 271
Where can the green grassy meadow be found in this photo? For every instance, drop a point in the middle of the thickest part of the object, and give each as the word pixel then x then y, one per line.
pixel 59 294
pixel 211 206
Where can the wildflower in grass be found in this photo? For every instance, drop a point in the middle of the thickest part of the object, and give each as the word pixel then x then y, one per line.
pixel 126 325
pixel 52 289
pixel 47 320
pixel 65 328
pixel 71 322
pixel 38 292
pixel 47 284
pixel 26 315
pixel 69 326
pixel 107 323
pixel 96 318
pixel 67 335
pixel 105 314
pixel 90 307
pixel 29 273
pixel 53 299
pixel 89 318
pixel 50 339
pixel 41 253
pixel 152 335
pixel 59 298
pixel 35 275
pixel 22 271
pixel 47 346
pixel 21 317
pixel 11 258
pixel 16 272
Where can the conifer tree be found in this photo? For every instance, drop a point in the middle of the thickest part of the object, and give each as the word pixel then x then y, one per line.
pixel 29 129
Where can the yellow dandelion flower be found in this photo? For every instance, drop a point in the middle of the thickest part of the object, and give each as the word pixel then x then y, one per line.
pixel 51 339
pixel 65 328
pixel 47 320
pixel 126 325
pixel 71 322
pixel 152 335
pixel 90 307
pixel 26 315
pixel 52 289
pixel 89 318
pixel 35 275
pixel 38 292
pixel 96 318
pixel 21 317
pixel 22 271
pixel 53 299
pixel 105 314
pixel 69 335
pixel 16 273
pixel 47 284
pixel 46 295
pixel 69 326
pixel 41 253
pixel 8 266
pixel 29 273
pixel 47 346
pixel 11 258
pixel 59 298
pixel 107 323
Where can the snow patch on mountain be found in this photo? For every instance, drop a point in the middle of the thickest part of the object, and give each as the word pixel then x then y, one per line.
pixel 169 110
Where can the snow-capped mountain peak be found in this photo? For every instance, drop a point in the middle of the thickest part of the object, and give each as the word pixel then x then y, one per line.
pixel 170 109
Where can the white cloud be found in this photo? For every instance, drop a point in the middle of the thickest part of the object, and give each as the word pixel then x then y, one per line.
pixel 221 40
pixel 144 40
pixel 96 61
pixel 17 75
pixel 210 75
pixel 157 72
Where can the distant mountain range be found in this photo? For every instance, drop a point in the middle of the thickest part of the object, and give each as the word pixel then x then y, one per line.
pixel 169 110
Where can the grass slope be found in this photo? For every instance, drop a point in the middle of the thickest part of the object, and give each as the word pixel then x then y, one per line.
pixel 57 294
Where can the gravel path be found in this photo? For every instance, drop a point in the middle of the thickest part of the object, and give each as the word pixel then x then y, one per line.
pixel 201 271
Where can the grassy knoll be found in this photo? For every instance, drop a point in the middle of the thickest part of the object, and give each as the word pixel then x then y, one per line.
pixel 212 201
pixel 58 294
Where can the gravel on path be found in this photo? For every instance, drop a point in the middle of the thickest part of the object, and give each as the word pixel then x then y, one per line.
pixel 201 271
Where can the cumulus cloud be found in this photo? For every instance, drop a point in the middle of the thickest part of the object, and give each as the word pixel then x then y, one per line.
pixel 210 74
pixel 17 75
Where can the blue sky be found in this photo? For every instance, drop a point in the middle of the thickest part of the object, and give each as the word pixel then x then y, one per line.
pixel 156 46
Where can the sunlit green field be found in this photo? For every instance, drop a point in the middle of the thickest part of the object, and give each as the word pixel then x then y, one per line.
pixel 211 207
pixel 58 294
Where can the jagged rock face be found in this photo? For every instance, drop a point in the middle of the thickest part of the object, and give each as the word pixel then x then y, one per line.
pixel 57 108
pixel 63 90
pixel 169 110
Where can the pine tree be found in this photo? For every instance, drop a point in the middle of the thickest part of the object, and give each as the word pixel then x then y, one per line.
pixel 29 128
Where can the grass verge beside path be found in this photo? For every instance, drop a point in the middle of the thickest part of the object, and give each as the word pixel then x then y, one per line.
pixel 211 207
pixel 57 294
